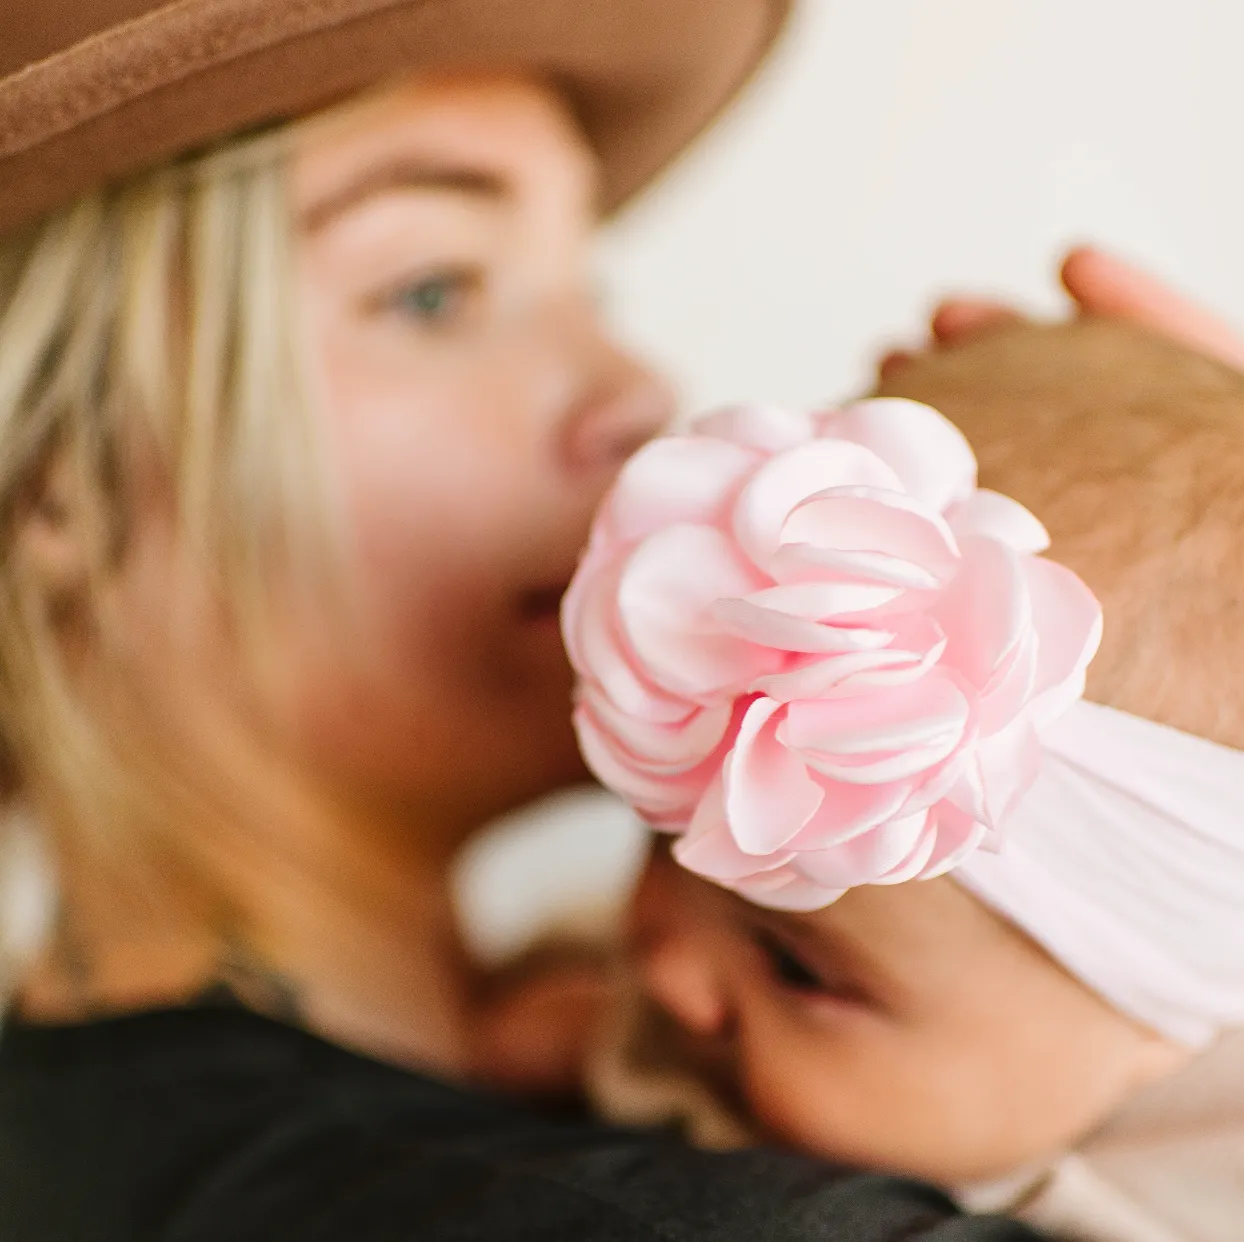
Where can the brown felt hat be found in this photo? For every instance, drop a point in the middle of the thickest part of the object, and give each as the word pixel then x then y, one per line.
pixel 91 90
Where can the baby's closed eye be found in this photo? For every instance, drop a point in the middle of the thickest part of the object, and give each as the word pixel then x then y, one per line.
pixel 785 964
pixel 795 970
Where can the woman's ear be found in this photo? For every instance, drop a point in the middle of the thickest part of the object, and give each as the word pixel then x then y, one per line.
pixel 51 539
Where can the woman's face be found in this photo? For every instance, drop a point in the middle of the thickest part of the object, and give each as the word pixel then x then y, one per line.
pixel 478 410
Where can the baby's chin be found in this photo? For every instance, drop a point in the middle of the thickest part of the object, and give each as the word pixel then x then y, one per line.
pixel 639 1074
pixel 975 1178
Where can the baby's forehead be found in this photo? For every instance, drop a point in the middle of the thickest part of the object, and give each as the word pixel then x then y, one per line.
pixel 879 926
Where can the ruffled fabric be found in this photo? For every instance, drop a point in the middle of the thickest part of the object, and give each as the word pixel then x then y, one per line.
pixel 813 649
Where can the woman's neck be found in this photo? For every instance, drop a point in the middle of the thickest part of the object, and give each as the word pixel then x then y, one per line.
pixel 340 925
pixel 366 952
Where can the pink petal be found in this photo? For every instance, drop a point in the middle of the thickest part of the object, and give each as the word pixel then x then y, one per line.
pixel 782 632
pixel 597 562
pixel 675 480
pixel 880 769
pixel 927 451
pixel 1009 690
pixel 985 611
pixel 800 562
pixel 849 810
pixel 998 517
pixel 939 781
pixel 665 602
pixel 823 601
pixel 918 645
pixel 769 794
pixel 867 519
pixel 599 653
pixel 670 823
pixel 866 858
pixel 591 576
pixel 787 890
pixel 660 796
pixel 768 428
pixel 1008 764
pixel 967 794
pixel 893 733
pixel 913 866
pixel 709 850
pixel 813 677
pixel 782 483
pixel 1068 622
pixel 659 748
pixel 958 837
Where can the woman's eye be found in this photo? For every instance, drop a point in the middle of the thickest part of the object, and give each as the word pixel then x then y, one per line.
pixel 439 299
pixel 788 968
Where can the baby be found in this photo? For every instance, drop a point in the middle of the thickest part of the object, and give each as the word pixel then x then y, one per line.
pixel 1048 1029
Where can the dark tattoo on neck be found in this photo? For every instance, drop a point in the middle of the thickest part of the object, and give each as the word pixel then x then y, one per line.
pixel 241 979
pixel 245 979
pixel 71 964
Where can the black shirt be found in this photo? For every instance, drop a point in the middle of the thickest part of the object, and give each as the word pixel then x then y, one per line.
pixel 215 1125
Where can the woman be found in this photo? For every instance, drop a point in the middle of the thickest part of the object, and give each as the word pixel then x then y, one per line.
pixel 301 427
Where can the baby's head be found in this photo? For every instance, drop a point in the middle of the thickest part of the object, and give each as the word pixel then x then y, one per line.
pixel 911 1027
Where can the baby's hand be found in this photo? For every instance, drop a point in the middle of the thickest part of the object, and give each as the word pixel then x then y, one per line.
pixel 536 1020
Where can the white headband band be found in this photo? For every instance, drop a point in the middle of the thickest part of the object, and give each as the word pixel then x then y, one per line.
pixel 1125 861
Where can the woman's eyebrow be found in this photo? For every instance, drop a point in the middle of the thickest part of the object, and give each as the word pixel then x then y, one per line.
pixel 404 174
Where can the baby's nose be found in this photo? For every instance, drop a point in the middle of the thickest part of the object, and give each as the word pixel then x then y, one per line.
pixel 672 952
pixel 682 983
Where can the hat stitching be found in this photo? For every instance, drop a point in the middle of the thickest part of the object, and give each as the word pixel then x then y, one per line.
pixel 85 81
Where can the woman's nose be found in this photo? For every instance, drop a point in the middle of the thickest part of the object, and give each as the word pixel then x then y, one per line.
pixel 624 404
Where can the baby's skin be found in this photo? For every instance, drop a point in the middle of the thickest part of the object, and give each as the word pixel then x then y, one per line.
pixel 908 1028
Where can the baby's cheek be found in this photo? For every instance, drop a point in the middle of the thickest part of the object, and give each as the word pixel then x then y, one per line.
pixel 805 1088
pixel 802 1116
pixel 860 1094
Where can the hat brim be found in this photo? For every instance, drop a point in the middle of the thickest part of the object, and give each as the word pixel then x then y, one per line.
pixel 646 77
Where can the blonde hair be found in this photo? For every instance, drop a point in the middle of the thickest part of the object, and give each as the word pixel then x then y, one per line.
pixel 151 328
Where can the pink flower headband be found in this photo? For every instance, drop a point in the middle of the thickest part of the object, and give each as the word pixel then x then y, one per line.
pixel 811 647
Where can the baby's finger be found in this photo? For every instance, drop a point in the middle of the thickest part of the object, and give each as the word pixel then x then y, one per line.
pixel 957 319
pixel 1100 284
pixel 893 362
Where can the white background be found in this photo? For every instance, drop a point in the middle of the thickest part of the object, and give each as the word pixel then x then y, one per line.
pixel 897 149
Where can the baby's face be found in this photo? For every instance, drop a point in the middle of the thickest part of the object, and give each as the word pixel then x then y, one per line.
pixel 906 1028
